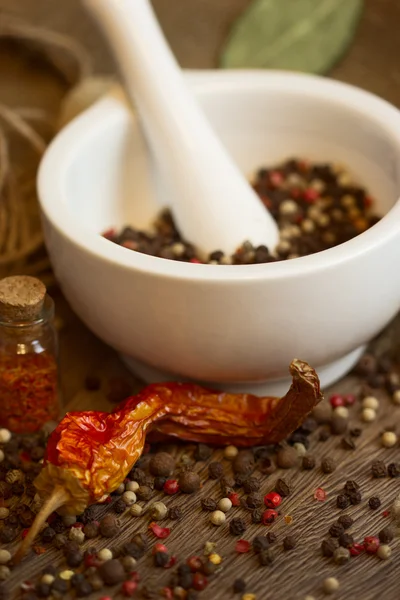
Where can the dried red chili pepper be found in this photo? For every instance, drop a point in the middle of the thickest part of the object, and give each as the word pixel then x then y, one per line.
pixel 90 453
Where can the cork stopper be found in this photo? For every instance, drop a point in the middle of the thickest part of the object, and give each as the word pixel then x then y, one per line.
pixel 21 298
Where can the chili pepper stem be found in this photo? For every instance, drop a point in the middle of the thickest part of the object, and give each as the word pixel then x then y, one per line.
pixel 57 499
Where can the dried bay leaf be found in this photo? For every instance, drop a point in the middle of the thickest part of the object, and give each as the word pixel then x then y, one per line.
pixel 296 35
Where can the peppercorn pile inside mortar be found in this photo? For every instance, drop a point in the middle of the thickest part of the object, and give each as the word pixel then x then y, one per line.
pixel 325 498
pixel 316 206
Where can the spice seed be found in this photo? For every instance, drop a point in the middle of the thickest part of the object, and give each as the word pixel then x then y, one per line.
pixel 328 465
pixel 384 552
pixel 374 502
pixel 368 415
pixel 389 439
pixel 224 505
pixel 217 517
pixel 370 402
pixel 231 452
pixel 330 585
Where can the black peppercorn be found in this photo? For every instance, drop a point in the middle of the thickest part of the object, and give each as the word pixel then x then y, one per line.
pixel 324 435
pixel 328 547
pixel 351 486
pixel 47 535
pixel 119 506
pixel 74 559
pixel 134 550
pixel 237 526
pixel 202 452
pixel 161 559
pixel 272 537
pixel 138 475
pixel 386 535
pixel 76 579
pixel 336 530
pixel 186 580
pixel 162 464
pixel 239 586
pixel 8 534
pixel 26 516
pixel 346 540
pixel 254 500
pixel 252 484
pixel 346 521
pixel 394 470
pixel 355 497
pixel 367 365
pixel 215 470
pixel 59 585
pixel 308 462
pixel 283 487
pixel 348 443
pixel 374 502
pixel 267 556
pixel 260 543
pixel 355 432
pixel 256 515
pixel 328 465
pixel 289 542
pixel 189 482
pixel 378 469
pixel 83 589
pixel 91 530
pixel 208 504
pixel 175 513
pixel 342 501
pixel 159 483
pixel 240 479
pixel 43 590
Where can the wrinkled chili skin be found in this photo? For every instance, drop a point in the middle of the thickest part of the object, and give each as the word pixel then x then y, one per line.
pixel 99 449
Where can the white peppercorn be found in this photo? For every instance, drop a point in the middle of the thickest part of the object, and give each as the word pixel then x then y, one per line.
pixel 331 585
pixel 4 512
pixel 136 510
pixel 341 411
pixel 389 439
pixel 370 402
pixel 384 552
pixel 396 397
pixel 5 436
pixel 66 575
pixel 231 452
pixel 129 498
pixel 4 573
pixel 300 449
pixel 368 415
pixel 47 579
pixel 132 486
pixel 159 511
pixel 5 557
pixel 217 517
pixel 104 554
pixel 224 505
pixel 76 535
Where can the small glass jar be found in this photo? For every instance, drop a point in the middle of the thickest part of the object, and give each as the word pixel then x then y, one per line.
pixel 29 390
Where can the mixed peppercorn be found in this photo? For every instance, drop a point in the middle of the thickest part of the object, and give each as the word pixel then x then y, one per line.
pixel 171 487
pixel 316 206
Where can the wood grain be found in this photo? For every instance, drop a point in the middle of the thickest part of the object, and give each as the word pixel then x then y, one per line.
pixel 195 30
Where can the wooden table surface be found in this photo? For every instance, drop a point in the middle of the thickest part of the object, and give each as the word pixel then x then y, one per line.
pixel 371 63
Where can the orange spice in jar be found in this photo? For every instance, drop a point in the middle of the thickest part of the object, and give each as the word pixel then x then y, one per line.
pixel 29 394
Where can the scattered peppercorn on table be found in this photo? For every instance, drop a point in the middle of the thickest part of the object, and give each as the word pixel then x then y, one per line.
pixel 313 518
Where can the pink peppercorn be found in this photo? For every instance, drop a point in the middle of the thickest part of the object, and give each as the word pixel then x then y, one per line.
pixel 356 549
pixel 320 495
pixel 276 178
pixel 272 500
pixel 195 563
pixel 168 593
pixel 129 588
pixel 234 498
pixel 349 399
pixel 158 547
pixel 269 516
pixel 200 582
pixel 311 195
pixel 171 487
pixel 337 400
pixel 371 544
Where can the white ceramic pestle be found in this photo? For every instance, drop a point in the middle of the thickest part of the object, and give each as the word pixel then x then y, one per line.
pixel 213 204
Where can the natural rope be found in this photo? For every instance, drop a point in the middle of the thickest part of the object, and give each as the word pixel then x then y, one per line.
pixel 21 239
